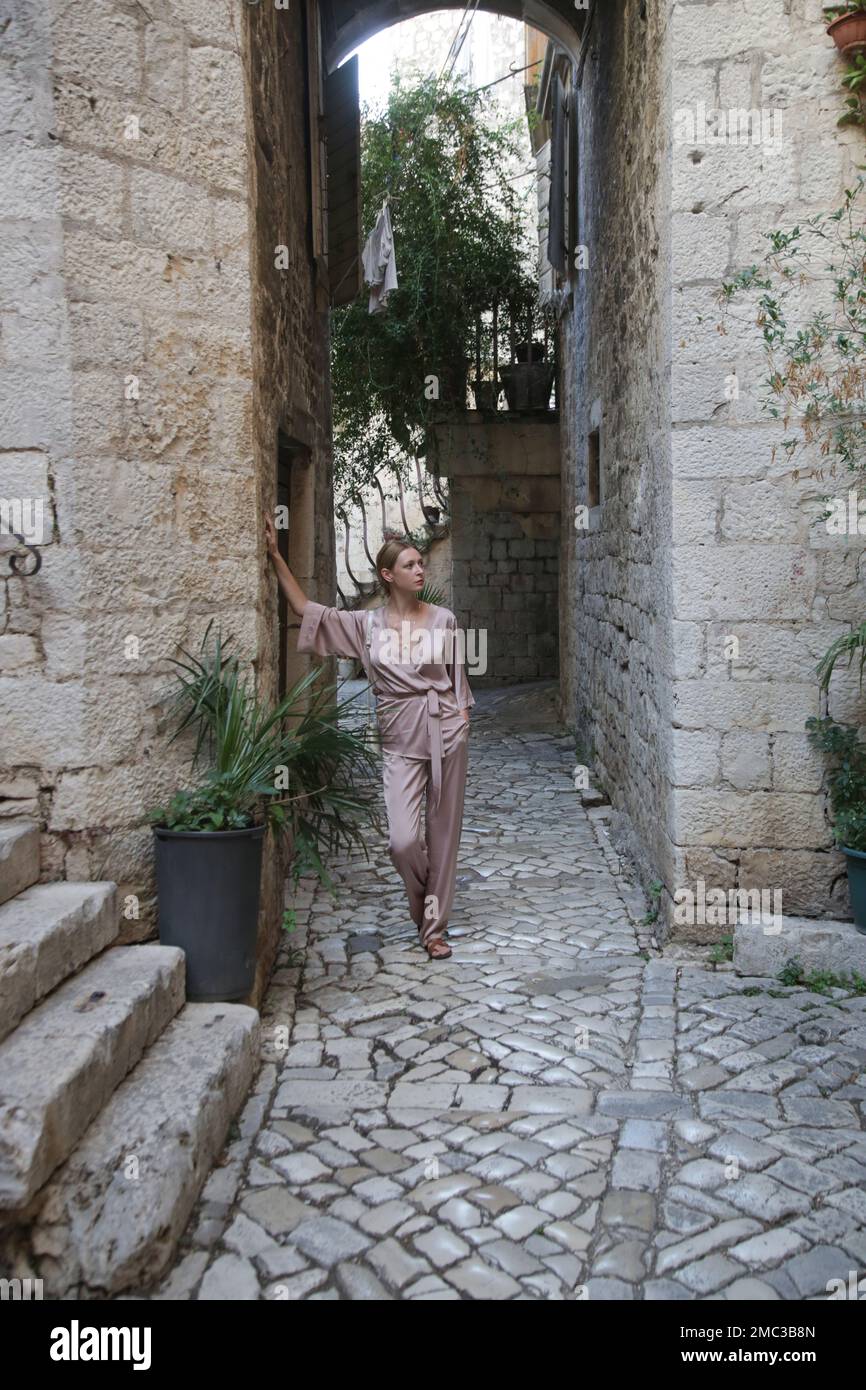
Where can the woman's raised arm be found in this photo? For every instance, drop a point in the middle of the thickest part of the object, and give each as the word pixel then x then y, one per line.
pixel 324 630
pixel 287 581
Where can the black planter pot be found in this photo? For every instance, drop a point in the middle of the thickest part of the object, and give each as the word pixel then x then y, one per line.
pixel 527 385
pixel 530 352
pixel 208 885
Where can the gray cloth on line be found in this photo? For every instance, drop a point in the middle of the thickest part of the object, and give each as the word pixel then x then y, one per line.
pixel 379 261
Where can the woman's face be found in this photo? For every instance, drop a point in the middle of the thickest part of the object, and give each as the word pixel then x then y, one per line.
pixel 407 573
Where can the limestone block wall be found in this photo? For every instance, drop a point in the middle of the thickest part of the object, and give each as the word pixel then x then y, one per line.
pixel 702 535
pixel 750 559
pixel 505 525
pixel 141 337
pixel 615 601
pixel 290 371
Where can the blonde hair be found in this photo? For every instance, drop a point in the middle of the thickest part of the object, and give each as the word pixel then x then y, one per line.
pixel 387 557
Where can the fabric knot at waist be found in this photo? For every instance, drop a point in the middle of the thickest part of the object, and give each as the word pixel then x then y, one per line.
pixel 434 732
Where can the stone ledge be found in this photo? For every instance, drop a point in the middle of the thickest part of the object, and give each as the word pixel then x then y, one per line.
pixel 62 1063
pixel 19 858
pixel 47 933
pixel 816 944
pixel 100 1227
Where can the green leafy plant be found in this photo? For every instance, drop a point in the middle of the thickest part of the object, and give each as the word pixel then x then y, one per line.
pixel 855 77
pixel 294 956
pixel 853 7
pixel 211 807
pixel 655 892
pixel 442 159
pixel 290 766
pixel 430 594
pixel 820 981
pixel 846 755
pixel 722 951
pixel 849 644
pixel 816 358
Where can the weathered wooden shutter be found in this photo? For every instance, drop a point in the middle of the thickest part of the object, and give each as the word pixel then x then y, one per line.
pixel 556 204
pixel 315 122
pixel 343 129
pixel 573 237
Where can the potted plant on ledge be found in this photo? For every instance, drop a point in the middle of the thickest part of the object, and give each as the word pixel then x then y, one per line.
pixel 847 26
pixel 257 773
pixel 528 380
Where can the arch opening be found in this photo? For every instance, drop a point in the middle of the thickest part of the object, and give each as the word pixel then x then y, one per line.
pixel 348 25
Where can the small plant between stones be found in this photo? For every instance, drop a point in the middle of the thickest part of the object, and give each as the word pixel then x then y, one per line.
pixel 655 892
pixel 820 981
pixel 288 925
pixel 722 951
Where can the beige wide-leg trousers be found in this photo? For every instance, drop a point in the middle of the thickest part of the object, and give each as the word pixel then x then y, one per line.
pixel 426 862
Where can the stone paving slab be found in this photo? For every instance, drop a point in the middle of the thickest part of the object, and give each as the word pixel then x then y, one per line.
pixel 558 1111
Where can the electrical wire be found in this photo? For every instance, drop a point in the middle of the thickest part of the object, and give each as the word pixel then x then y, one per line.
pixel 463 27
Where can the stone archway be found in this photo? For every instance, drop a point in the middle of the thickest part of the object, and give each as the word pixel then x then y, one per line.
pixel 347 23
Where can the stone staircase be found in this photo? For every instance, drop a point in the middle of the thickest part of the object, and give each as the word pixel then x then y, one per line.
pixel 115 1095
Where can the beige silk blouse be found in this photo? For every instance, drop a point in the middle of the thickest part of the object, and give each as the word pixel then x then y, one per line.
pixel 420 685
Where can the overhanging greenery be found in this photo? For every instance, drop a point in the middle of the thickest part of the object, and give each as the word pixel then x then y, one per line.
pixel 446 164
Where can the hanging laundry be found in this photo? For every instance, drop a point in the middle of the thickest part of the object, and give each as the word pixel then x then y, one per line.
pixel 379 261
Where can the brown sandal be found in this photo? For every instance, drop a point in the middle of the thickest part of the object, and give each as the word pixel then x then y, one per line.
pixel 438 949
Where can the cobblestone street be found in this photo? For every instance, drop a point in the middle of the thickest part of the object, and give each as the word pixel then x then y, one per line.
pixel 556 1111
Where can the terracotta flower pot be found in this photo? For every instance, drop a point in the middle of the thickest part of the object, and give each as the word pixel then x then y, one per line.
pixel 849 32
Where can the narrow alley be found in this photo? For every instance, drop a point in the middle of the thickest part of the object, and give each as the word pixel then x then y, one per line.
pixel 557 1111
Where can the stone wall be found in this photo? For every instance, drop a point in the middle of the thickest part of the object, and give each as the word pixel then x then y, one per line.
pixel 703 535
pixel 614 592
pixel 290 349
pixel 748 560
pixel 504 477
pixel 149 352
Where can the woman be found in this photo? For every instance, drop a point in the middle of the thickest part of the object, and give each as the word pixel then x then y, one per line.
pixel 422 709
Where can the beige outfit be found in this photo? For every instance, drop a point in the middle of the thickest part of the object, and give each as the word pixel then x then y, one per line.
pixel 420 687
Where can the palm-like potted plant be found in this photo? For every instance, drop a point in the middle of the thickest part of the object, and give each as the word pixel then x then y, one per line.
pixel 256 772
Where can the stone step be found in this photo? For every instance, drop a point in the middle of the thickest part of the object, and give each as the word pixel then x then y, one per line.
pixel 46 934
pixel 19 858
pixel 818 944
pixel 110 1219
pixel 64 1060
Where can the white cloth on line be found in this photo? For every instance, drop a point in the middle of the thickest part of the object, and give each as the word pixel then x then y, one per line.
pixel 379 261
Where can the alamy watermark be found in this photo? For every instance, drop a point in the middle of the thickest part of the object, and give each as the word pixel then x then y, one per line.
pixel 846 516
pixel 736 126
pixel 438 646
pixel 720 907
pixel 23 516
